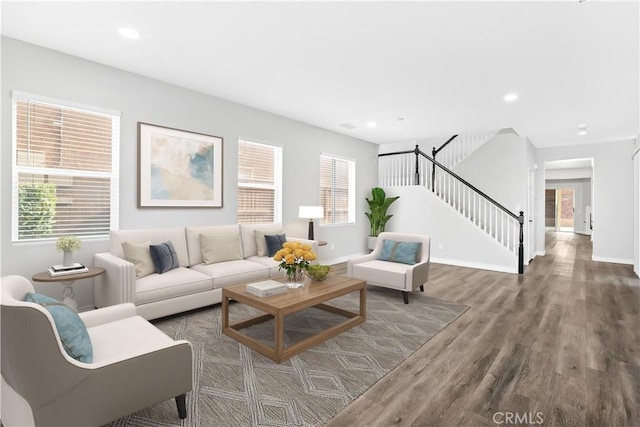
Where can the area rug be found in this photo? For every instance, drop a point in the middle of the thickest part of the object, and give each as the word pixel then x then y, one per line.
pixel 235 386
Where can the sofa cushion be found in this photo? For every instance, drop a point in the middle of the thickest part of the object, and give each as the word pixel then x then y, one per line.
pixel 193 239
pixel 270 263
pixel 404 252
pixel 71 329
pixel 139 254
pixel 164 257
pixel 233 272
pixel 220 247
pixel 274 243
pixel 155 236
pixel 174 283
pixel 250 238
pixel 386 273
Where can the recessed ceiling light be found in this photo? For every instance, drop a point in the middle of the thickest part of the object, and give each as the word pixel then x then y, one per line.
pixel 400 119
pixel 128 33
pixel 511 97
pixel 371 124
pixel 582 126
pixel 582 132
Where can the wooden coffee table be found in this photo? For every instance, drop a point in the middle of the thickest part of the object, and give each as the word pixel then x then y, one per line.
pixel 313 294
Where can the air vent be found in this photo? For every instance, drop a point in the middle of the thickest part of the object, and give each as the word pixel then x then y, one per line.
pixel 348 125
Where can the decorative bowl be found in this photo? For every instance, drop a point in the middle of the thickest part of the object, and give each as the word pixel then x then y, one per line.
pixel 317 272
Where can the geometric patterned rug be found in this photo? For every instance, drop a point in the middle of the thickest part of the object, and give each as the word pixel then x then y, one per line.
pixel 235 386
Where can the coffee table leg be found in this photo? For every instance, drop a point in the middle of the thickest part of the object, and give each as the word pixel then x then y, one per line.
pixel 225 312
pixel 279 336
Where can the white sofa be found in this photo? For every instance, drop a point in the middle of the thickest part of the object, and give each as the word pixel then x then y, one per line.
pixel 193 284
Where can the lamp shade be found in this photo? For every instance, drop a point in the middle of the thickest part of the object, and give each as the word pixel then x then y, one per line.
pixel 311 212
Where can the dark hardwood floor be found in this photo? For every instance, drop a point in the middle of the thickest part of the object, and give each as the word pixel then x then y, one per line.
pixel 557 346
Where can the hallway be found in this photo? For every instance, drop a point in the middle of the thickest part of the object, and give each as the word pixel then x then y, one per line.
pixel 562 341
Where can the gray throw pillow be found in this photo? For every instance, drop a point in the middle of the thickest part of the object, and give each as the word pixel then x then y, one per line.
pixel 164 257
pixel 274 243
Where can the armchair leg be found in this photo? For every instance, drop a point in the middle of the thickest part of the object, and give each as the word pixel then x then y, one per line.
pixel 182 406
pixel 405 297
pixel 421 288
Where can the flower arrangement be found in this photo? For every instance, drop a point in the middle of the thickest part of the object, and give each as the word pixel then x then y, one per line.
pixel 294 257
pixel 68 243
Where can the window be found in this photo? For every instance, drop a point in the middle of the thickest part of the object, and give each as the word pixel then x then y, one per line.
pixel 259 183
pixel 65 169
pixel 337 189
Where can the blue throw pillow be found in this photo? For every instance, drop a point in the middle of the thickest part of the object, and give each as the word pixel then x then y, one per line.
pixel 274 242
pixel 164 257
pixel 72 330
pixel 404 252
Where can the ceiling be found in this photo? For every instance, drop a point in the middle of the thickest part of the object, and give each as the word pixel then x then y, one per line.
pixel 417 69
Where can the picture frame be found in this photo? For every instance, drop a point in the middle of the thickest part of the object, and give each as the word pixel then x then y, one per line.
pixel 178 168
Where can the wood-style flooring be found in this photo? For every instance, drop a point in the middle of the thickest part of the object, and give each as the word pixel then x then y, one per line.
pixel 557 346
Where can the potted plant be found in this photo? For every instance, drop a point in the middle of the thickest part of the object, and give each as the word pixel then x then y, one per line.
pixel 378 205
pixel 68 244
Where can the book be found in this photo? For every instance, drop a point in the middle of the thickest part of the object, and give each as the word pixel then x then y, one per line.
pixel 74 266
pixel 54 273
pixel 266 288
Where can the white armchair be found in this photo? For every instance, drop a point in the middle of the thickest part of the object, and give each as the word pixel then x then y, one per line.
pixel 135 365
pixel 395 275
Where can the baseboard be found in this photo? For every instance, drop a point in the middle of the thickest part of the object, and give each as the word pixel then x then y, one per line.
pixel 541 253
pixel 612 260
pixel 584 233
pixel 477 265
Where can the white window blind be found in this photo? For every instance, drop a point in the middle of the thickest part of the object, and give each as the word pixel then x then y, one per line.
pixel 259 183
pixel 337 189
pixel 65 169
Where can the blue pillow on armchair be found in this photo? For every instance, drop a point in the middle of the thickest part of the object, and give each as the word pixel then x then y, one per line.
pixel 404 252
pixel 72 330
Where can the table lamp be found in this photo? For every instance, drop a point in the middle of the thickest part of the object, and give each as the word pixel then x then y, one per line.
pixel 311 212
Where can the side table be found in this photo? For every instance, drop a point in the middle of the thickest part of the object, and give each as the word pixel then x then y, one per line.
pixel 68 297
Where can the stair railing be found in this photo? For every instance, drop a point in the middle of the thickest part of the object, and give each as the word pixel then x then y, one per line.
pixel 414 167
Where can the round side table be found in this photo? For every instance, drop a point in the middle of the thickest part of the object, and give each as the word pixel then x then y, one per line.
pixel 68 297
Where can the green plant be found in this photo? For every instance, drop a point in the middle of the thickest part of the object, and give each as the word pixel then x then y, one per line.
pixel 68 243
pixel 36 209
pixel 378 205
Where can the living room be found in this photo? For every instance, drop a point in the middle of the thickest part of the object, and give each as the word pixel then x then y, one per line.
pixel 59 74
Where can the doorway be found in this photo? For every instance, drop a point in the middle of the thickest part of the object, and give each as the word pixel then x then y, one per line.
pixel 560 209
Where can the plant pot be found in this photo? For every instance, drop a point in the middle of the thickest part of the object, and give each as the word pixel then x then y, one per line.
pixel 371 242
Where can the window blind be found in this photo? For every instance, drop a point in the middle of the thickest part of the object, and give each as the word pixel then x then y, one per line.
pixel 259 183
pixel 337 190
pixel 65 171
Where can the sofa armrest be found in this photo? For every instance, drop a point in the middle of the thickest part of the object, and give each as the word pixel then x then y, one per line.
pixel 418 275
pixel 107 314
pixel 359 259
pixel 118 283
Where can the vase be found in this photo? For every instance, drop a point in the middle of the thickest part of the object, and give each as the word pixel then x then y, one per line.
pixel 67 258
pixel 295 278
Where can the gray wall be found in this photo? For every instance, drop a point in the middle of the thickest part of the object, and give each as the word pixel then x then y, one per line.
pixel 612 202
pixel 49 73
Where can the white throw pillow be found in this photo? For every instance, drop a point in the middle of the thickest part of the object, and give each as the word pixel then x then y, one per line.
pixel 140 256
pixel 220 247
pixel 261 243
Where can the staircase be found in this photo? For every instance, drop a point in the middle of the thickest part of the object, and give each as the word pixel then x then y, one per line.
pixel 415 168
pixel 459 147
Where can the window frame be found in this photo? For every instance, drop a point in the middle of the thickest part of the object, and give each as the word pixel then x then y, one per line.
pixel 351 188
pixel 277 178
pixel 113 175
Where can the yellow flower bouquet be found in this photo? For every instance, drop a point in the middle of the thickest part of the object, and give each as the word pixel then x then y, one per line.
pixel 294 258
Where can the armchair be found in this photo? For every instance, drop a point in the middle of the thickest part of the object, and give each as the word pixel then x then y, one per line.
pixel 135 365
pixel 394 275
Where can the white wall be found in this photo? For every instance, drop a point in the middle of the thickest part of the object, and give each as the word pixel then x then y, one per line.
pixel 45 72
pixel 454 239
pixel 636 209
pixel 612 201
